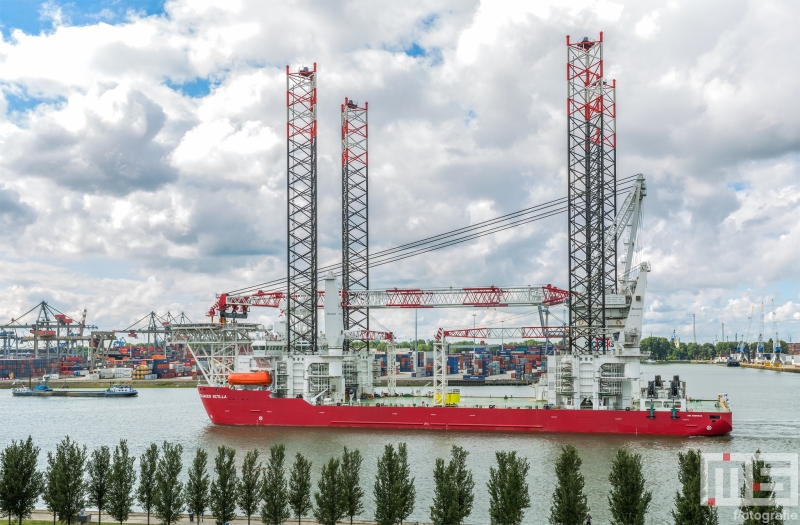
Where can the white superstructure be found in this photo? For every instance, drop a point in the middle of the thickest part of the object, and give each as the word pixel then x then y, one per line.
pixel 607 374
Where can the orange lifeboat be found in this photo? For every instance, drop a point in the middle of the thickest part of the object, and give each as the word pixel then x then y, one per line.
pixel 250 378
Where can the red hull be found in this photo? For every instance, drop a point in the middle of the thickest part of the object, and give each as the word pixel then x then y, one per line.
pixel 256 408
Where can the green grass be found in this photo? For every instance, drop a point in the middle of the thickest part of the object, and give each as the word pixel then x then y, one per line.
pixel 50 522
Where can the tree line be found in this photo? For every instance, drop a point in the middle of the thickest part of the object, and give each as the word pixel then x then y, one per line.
pixel 276 492
pixel 662 349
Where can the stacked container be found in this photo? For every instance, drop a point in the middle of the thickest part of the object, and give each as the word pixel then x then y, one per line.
pixel 24 368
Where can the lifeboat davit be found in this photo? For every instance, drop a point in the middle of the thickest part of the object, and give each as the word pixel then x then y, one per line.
pixel 250 378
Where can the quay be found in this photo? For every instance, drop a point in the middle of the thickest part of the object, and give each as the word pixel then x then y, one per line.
pixel 795 369
pixel 140 518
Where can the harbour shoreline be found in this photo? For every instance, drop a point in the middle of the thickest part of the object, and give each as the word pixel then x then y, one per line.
pixel 105 383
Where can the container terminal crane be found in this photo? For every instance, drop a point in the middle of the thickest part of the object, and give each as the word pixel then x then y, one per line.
pixel 303 376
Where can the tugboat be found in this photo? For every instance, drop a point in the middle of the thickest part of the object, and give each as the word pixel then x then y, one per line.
pixel 121 391
pixel 41 390
pixel 732 361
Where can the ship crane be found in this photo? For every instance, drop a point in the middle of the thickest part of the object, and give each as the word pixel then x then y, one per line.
pixel 237 307
pixel 611 346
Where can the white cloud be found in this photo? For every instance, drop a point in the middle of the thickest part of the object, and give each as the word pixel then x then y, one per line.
pixel 648 26
pixel 125 195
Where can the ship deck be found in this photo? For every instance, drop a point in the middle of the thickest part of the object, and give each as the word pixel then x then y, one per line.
pixel 522 402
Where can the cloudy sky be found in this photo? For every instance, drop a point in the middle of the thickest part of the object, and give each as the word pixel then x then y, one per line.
pixel 142 153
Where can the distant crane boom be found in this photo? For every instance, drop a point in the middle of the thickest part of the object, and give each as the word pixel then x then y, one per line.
pixel 481 297
pixel 524 332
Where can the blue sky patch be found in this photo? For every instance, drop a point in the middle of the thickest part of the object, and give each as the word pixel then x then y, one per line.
pixel 428 21
pixel 30 15
pixel 434 55
pixel 21 103
pixel 197 88
pixel 415 51
pixel 737 186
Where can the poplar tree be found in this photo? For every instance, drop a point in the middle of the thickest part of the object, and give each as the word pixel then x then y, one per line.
pixel 49 494
pixel 329 504
pixel 122 480
pixel 66 488
pixel 628 500
pixel 688 510
pixel 250 485
pixel 508 489
pixel 225 487
pixel 273 488
pixel 759 513
pixel 7 459
pixel 147 479
pixel 169 498
pixel 569 500
pixel 99 472
pixel 406 492
pixel 453 494
pixel 20 482
pixel 300 487
pixel 352 493
pixel 394 490
pixel 384 487
pixel 197 486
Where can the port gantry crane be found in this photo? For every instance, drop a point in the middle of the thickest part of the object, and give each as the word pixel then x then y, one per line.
pixel 741 348
pixel 47 332
pixel 760 346
pixel 776 344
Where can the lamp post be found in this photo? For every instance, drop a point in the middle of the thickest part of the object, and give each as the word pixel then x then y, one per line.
pixel 502 335
pixel 473 332
pixel 416 355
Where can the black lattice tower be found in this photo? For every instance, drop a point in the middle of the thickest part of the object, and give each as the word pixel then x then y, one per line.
pixel 301 169
pixel 609 144
pixel 586 193
pixel 355 210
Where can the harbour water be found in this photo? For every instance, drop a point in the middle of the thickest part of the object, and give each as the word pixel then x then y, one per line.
pixel 766 408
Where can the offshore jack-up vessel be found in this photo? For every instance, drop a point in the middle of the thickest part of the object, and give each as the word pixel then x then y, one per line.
pixel 598 390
